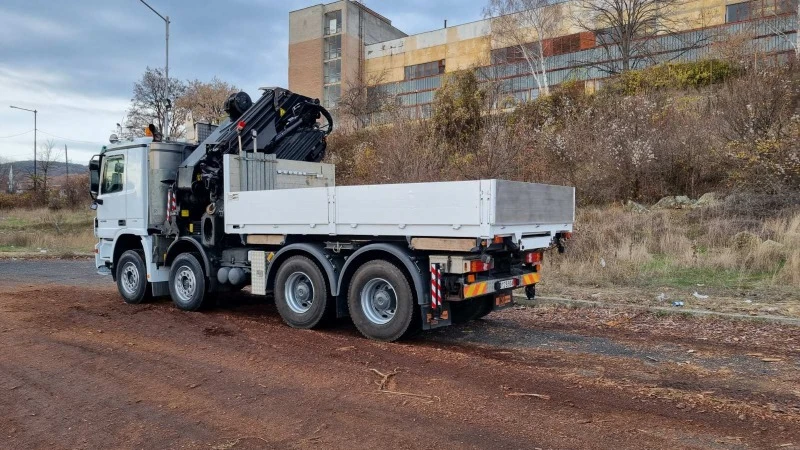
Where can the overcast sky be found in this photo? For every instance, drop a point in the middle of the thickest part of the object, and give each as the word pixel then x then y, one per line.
pixel 75 61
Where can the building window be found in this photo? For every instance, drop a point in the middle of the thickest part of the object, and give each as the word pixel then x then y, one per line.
pixel 333 71
pixel 737 12
pixel 333 23
pixel 786 7
pixel 331 95
pixel 562 45
pixel 333 47
pixel 768 8
pixel 425 70
pixel 514 54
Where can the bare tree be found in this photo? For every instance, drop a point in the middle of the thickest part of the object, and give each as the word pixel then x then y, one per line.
pixel 150 103
pixel 521 26
pixel 625 28
pixel 4 169
pixel 205 101
pixel 780 8
pixel 48 157
pixel 363 98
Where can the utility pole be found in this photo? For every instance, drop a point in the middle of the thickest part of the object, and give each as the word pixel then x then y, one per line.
pixel 168 104
pixel 66 160
pixel 35 114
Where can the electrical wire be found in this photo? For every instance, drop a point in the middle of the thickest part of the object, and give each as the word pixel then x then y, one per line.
pixel 15 135
pixel 70 140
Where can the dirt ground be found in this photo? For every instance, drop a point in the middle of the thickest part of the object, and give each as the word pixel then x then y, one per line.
pixel 80 369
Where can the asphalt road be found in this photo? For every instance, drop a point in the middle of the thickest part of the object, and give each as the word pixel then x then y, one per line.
pixel 78 272
pixel 81 369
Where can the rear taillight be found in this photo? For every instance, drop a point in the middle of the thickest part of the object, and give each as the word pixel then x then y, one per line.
pixel 479 266
pixel 533 258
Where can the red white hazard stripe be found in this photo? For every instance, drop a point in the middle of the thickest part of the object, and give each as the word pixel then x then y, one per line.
pixel 172 204
pixel 436 286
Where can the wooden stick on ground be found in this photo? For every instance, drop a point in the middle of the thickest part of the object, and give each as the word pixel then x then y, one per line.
pixel 383 389
pixel 524 394
pixel 385 378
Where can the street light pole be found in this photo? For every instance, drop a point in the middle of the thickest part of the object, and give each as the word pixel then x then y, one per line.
pixel 166 68
pixel 35 117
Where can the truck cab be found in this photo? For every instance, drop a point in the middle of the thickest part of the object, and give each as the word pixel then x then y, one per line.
pixel 130 200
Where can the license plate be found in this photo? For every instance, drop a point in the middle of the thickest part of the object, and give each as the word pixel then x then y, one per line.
pixel 505 284
pixel 502 299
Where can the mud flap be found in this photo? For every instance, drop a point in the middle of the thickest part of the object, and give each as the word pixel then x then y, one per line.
pixel 160 289
pixel 429 320
pixel 503 300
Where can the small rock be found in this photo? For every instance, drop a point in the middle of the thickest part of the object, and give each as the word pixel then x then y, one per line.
pixel 707 199
pixel 745 240
pixel 697 295
pixel 771 249
pixel 675 202
pixel 632 206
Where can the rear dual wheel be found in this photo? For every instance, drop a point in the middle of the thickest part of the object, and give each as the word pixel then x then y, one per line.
pixel 381 302
pixel 301 294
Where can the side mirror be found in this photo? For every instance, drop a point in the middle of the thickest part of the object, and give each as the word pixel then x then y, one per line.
pixel 94 175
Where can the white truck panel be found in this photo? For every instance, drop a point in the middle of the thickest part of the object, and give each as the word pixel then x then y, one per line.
pixel 456 203
pixel 451 209
pixel 301 210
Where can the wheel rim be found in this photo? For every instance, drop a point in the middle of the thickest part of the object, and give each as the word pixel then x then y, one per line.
pixel 185 284
pixel 130 278
pixel 299 292
pixel 379 301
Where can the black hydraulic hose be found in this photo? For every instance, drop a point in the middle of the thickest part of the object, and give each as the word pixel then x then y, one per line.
pixel 328 117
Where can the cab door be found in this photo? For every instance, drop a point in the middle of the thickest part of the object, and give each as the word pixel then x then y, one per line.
pixel 112 197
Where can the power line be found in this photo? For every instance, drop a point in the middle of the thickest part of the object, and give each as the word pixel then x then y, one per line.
pixel 68 139
pixel 15 135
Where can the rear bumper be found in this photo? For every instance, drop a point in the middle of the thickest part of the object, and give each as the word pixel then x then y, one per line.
pixel 497 285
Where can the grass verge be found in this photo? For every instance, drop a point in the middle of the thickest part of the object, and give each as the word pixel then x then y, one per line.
pixel 39 231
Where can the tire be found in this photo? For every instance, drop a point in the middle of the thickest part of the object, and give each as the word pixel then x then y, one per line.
pixel 132 278
pixel 187 282
pixel 301 294
pixel 381 302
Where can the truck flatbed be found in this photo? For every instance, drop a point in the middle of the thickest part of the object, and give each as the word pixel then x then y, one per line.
pixel 461 209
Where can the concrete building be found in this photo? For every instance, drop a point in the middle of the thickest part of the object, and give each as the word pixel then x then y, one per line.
pixel 326 47
pixel 411 68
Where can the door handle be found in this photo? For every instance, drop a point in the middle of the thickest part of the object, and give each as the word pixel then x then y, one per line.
pixel 121 223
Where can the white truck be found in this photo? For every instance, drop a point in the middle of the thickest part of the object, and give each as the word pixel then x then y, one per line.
pixel 252 205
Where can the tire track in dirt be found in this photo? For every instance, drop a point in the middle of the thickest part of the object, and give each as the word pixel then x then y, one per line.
pixel 99 373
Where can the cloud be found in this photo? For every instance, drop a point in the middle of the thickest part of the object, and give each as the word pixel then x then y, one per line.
pixel 76 61
pixel 16 27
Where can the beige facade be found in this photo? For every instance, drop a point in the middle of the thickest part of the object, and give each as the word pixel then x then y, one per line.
pixel 412 67
pixel 469 45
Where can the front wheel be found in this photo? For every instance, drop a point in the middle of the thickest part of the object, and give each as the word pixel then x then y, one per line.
pixel 187 282
pixel 381 301
pixel 132 278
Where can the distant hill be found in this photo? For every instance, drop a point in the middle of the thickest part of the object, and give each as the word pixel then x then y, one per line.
pixel 23 168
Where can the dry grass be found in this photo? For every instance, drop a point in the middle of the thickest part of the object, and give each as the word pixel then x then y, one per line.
pixel 680 249
pixel 44 231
